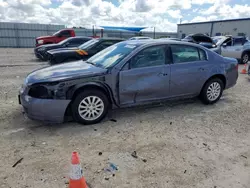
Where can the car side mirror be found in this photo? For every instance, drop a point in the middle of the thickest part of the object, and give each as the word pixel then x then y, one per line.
pixel 224 45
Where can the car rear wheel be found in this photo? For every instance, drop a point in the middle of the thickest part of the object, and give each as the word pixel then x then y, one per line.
pixel 90 107
pixel 245 58
pixel 212 91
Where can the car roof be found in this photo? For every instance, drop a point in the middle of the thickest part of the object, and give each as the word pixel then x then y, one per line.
pixel 159 41
pixel 110 38
pixel 80 37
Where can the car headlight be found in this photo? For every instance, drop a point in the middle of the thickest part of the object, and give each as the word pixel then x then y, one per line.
pixel 22 88
pixel 41 49
pixel 40 41
pixel 40 92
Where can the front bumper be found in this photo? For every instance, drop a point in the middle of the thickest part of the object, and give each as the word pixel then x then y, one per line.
pixel 48 110
pixel 41 55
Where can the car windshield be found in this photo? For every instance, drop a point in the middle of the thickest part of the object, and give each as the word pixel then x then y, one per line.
pixel 89 44
pixel 112 55
pixel 56 33
pixel 64 41
pixel 217 40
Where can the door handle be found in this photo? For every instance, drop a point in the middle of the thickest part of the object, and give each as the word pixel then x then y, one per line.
pixel 201 69
pixel 162 74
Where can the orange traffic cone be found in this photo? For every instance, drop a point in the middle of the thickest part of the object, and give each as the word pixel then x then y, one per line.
pixel 76 175
pixel 244 70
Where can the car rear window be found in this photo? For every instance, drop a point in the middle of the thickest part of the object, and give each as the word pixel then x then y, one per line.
pixel 184 53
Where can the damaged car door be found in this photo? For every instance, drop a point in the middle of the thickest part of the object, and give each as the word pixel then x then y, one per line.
pixel 146 76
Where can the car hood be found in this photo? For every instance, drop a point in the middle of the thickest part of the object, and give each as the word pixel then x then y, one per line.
pixel 63 50
pixel 49 46
pixel 64 71
pixel 44 37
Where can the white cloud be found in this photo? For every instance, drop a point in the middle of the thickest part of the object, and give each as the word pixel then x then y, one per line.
pixel 175 13
pixel 225 11
pixel 203 19
pixel 162 14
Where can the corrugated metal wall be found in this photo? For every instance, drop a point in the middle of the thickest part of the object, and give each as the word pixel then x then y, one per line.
pixel 122 34
pixel 22 35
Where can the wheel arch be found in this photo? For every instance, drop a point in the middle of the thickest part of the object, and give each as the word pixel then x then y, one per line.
pixel 75 90
pixel 220 76
pixel 247 51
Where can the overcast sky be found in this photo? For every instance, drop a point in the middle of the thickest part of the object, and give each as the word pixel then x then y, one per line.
pixel 163 14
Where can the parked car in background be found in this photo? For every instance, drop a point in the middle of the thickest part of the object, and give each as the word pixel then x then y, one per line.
pixel 202 40
pixel 176 39
pixel 140 38
pixel 41 51
pixel 56 37
pixel 236 47
pixel 126 74
pixel 82 52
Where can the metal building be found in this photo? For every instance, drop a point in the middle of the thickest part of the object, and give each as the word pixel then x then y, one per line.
pixel 234 27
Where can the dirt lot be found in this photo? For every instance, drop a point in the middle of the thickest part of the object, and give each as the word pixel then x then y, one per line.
pixel 185 144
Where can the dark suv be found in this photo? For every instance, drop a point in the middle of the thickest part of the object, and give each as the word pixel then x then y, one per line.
pixel 82 52
pixel 41 51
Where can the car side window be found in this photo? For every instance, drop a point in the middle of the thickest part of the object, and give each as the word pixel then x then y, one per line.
pixel 228 42
pixel 152 56
pixel 105 44
pixel 183 53
pixel 239 41
pixel 65 34
pixel 203 55
pixel 77 41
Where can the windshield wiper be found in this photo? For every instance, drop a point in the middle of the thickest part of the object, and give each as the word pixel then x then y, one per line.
pixel 90 62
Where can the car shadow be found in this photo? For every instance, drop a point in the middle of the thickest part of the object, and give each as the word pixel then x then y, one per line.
pixel 117 117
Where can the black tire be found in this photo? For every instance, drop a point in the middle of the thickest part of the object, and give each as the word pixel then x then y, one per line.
pixel 245 57
pixel 204 93
pixel 83 95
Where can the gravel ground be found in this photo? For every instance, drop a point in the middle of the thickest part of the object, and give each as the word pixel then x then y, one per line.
pixel 181 144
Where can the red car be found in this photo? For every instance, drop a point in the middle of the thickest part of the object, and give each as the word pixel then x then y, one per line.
pixel 56 37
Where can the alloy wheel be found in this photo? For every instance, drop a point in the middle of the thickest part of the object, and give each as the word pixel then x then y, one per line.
pixel 245 58
pixel 91 108
pixel 213 91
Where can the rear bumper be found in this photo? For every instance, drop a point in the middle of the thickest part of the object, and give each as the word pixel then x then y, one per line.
pixel 48 110
pixel 232 79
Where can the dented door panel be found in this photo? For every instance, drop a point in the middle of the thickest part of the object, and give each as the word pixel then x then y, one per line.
pixel 144 84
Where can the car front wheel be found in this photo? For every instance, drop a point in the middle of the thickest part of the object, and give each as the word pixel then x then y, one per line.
pixel 212 91
pixel 90 107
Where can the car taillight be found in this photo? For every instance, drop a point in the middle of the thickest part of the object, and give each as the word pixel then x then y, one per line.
pixel 237 66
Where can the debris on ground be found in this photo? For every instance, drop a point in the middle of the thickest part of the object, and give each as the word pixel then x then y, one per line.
pixel 111 168
pixel 100 153
pixel 185 171
pixel 189 137
pixel 244 156
pixel 19 161
pixel 134 154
